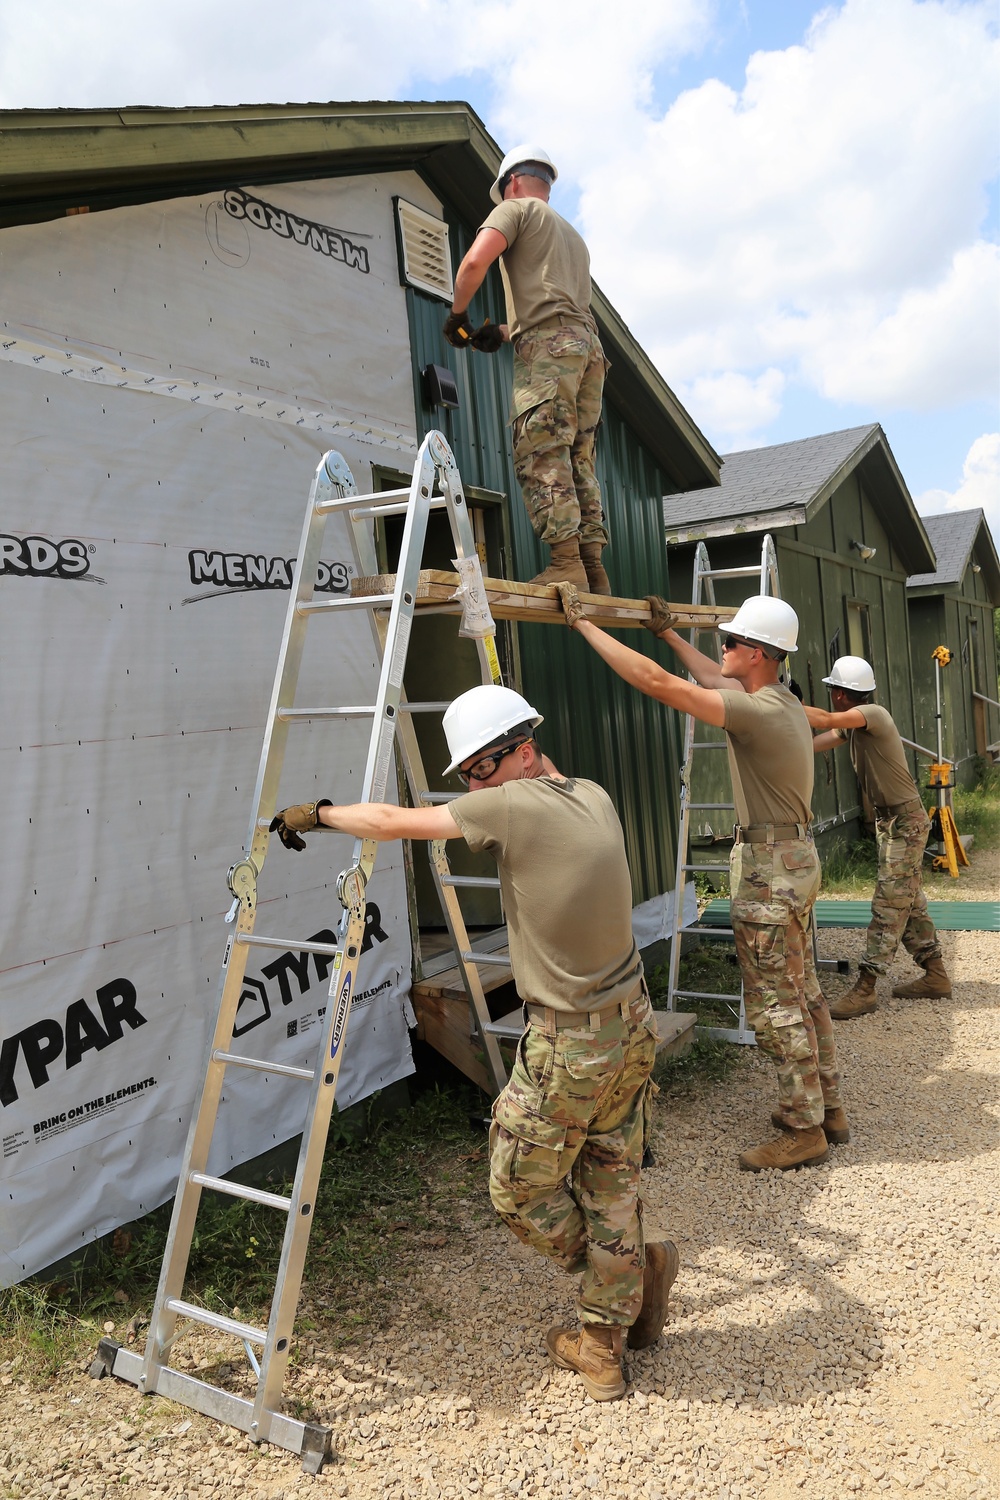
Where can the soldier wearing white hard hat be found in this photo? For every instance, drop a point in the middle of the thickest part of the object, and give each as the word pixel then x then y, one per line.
pixel 559 365
pixel 567 1138
pixel 774 867
pixel 899 906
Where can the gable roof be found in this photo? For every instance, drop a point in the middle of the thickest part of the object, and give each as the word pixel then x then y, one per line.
pixel 955 535
pixel 57 161
pixel 764 489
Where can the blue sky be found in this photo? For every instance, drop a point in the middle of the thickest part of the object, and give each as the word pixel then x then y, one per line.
pixel 793 205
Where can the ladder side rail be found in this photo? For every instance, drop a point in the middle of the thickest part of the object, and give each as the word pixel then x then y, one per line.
pixel 331 474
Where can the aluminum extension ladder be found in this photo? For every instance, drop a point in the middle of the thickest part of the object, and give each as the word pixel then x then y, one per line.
pixel 333 490
pixel 703 592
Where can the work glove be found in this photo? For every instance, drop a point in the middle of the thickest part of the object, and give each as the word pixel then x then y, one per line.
pixel 458 330
pixel 488 339
pixel 572 608
pixel 293 821
pixel 661 618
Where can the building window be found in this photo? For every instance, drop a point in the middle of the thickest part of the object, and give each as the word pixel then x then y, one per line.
pixel 424 251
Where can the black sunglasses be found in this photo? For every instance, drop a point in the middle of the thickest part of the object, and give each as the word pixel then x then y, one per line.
pixel 732 641
pixel 483 769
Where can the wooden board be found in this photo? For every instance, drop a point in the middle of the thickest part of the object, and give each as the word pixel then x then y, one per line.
pixel 538 602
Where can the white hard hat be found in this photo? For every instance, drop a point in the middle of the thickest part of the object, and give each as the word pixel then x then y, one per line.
pixel 852 672
pixel 482 716
pixel 519 157
pixel 766 621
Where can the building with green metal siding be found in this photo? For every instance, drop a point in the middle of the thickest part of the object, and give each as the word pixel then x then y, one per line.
pixel 847 537
pixel 953 606
pixel 59 163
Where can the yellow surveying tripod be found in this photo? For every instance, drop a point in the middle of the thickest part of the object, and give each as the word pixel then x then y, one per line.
pixel 943 827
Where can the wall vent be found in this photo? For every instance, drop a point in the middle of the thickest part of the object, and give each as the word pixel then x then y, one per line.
pixel 424 251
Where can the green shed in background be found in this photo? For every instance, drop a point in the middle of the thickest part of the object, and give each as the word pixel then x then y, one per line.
pixel 953 606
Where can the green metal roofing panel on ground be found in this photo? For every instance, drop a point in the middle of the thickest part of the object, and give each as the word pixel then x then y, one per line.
pixel 947 916
pixel 58 161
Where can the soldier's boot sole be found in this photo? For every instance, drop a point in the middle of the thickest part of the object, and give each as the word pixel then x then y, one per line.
pixel 835 1126
pixel 594 1352
pixel 660 1273
pixel 798 1148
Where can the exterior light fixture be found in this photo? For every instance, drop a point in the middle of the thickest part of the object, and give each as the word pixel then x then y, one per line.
pixel 865 553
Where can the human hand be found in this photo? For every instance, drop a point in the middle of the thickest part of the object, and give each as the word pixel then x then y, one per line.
pixel 458 330
pixel 661 617
pixel 488 339
pixel 290 822
pixel 570 600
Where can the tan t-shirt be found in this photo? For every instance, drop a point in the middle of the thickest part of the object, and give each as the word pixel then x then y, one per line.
pixel 770 756
pixel 879 759
pixel 566 888
pixel 545 267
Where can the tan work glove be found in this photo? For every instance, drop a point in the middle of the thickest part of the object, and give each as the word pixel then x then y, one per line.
pixel 570 600
pixel 293 821
pixel 661 618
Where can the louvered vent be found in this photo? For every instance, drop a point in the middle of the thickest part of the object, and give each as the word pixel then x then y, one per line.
pixel 425 250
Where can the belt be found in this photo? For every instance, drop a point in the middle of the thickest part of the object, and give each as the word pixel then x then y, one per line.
pixel 559 321
pixel 769 833
pixel 900 807
pixel 552 1021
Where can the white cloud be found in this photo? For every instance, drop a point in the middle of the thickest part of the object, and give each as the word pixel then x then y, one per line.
pixel 979 487
pixel 734 406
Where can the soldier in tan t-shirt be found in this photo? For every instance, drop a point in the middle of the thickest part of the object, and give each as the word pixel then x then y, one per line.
pixel 899 906
pixel 559 365
pixel 774 867
pixel 568 1131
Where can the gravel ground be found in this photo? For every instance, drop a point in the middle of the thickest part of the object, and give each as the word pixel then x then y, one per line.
pixel 834 1332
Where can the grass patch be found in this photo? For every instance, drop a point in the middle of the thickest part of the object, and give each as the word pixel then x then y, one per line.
pixel 383 1201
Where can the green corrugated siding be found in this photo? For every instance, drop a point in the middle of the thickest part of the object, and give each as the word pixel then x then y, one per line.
pixel 595 725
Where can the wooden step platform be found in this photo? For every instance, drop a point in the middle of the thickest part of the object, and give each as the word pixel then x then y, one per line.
pixel 537 603
pixel 442 1011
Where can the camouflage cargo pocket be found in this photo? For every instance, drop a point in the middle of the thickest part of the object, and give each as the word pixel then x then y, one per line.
pixel 526 1148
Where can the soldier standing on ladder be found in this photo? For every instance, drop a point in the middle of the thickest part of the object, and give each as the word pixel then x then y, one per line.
pixel 567 1138
pixel 559 365
pixel 774 867
pixel 899 906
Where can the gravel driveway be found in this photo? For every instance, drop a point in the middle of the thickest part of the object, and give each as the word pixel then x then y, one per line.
pixel 834 1332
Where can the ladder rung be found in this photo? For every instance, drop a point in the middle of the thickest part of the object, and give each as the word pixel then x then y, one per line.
pixel 348 601
pixel 486 958
pixel 485 883
pixel 709 745
pixel 710 806
pixel 709 931
pixel 292 944
pixel 440 796
pixel 424 708
pixel 216 1320
pixel 708 869
pixel 393 508
pixel 747 572
pixel 261 1065
pixel 344 502
pixel 706 995
pixel 240 1190
pixel 346 711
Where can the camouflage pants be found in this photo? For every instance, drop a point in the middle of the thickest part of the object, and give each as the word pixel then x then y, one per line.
pixel 899 906
pixel 773 890
pixel 565 1151
pixel 558 385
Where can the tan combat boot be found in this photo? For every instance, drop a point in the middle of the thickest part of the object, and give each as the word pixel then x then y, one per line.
pixel 564 565
pixel 598 581
pixel 859 1001
pixel 935 984
pixel 595 1353
pixel 835 1126
pixel 662 1263
pixel 798 1148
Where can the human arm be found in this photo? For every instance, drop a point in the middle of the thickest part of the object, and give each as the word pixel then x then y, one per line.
pixel 829 740
pixel 702 703
pixel 821 718
pixel 702 668
pixel 365 820
pixel 487 247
